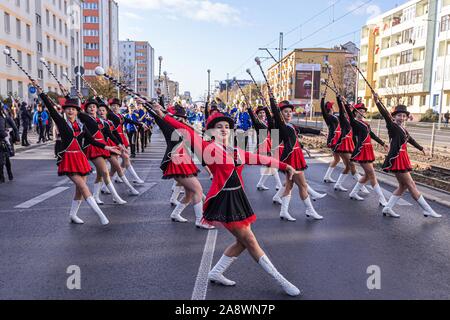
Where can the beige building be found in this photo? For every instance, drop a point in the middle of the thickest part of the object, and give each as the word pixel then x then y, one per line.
pixel 403 53
pixel 302 71
pixel 32 30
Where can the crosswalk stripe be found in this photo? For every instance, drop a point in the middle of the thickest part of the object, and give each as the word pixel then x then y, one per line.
pixel 30 203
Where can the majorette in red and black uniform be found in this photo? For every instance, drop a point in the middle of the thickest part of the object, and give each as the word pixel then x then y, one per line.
pixel 264 142
pixel 345 143
pixel 177 161
pixel 332 121
pixel 71 158
pixel 363 136
pixel 95 127
pixel 118 120
pixel 397 159
pixel 109 131
pixel 290 148
pixel 226 203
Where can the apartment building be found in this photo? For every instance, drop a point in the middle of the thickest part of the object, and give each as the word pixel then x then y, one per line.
pixel 302 71
pixel 100 35
pixel 35 29
pixel 403 53
pixel 137 63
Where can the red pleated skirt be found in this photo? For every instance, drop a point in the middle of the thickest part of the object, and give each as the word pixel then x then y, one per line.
pixel 402 162
pixel 347 145
pixel 182 170
pixel 123 137
pixel 337 135
pixel 93 152
pixel 296 159
pixel 366 155
pixel 74 161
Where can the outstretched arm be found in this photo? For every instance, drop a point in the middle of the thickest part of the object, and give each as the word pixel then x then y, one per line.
pixel 415 144
pixel 52 110
pixel 377 139
pixel 383 110
pixel 325 114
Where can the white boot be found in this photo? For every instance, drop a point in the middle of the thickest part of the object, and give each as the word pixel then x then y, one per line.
pixel 277 197
pixel 96 194
pixel 354 194
pixel 104 189
pixel 216 274
pixel 427 210
pixel 338 186
pixel 327 178
pixel 116 198
pixel 132 190
pixel 310 211
pixel 288 287
pixel 388 209
pixel 379 192
pixel 198 209
pixel 261 186
pixel 176 214
pixel 276 175
pixel 175 194
pixel 136 180
pixel 116 178
pixel 97 210
pixel 314 194
pixel 74 210
pixel 284 213
pixel 363 189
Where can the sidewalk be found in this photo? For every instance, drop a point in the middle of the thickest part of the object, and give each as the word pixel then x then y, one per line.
pixel 32 139
pixel 430 193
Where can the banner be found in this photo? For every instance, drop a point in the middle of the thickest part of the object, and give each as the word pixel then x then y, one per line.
pixel 307 80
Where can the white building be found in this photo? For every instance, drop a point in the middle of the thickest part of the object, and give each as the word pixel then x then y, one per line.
pixel 402 55
pixel 137 63
pixel 35 29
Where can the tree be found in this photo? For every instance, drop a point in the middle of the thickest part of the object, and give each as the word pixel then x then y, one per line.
pixel 103 86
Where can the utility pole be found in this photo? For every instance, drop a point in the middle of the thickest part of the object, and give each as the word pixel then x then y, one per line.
pixel 228 76
pixel 280 58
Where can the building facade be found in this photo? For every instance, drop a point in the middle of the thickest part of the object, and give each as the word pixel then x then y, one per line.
pixel 403 53
pixel 137 63
pixel 100 35
pixel 35 29
pixel 302 71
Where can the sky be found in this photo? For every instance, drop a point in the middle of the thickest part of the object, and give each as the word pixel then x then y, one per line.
pixel 224 36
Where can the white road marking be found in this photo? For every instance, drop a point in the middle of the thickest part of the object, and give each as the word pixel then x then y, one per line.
pixel 201 283
pixel 30 203
pixel 62 182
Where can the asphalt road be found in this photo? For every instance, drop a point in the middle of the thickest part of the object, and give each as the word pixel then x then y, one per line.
pixel 143 255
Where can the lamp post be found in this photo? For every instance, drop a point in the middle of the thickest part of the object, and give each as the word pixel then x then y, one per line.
pixel 443 77
pixel 209 83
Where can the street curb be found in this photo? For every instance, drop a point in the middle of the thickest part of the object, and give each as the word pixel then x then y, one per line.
pixel 31 147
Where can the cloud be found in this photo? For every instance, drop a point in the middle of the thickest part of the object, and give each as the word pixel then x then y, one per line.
pixel 199 10
pixel 130 15
pixel 370 10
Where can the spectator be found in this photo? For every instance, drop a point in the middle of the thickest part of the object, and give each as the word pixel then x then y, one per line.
pixel 40 120
pixel 447 118
pixel 25 116
pixel 8 136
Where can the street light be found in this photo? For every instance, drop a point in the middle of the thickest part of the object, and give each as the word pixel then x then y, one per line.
pixel 209 83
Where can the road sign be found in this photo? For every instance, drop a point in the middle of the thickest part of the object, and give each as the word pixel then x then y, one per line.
pixel 79 69
pixel 32 90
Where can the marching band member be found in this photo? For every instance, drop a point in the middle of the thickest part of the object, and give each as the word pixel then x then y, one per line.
pixel 334 133
pixel 72 162
pixel 226 202
pixel 263 123
pixel 97 155
pixel 113 139
pixel 363 153
pixel 291 152
pixel 397 161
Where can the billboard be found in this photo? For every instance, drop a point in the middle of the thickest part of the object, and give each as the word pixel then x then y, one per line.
pixel 307 80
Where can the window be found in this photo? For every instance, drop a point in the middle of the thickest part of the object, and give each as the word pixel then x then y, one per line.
pixel 423 100
pixel 90 33
pixel 27 3
pixel 445 23
pixel 7 23
pixel 39 47
pixel 436 100
pixel 65 29
pixel 91 59
pixel 28 27
pixel 410 100
pixel 8 59
pixel 48 44
pixel 406 56
pixel 29 63
pixel 19 56
pixel 9 87
pixel 409 13
pixel 38 19
pixel 40 74
pixel 60 26
pixel 91 19
pixel 65 6
pixel 90 6
pixel 91 46
pixel 47 17
pixel 66 52
pixel 54 47
pixel 54 22
pixel 18 28
pixel 20 88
